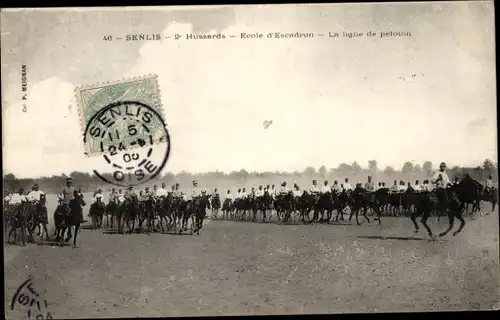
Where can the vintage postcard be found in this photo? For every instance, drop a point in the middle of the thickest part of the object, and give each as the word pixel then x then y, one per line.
pixel 249 160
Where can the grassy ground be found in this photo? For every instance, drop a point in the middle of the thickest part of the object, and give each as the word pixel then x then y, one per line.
pixel 253 268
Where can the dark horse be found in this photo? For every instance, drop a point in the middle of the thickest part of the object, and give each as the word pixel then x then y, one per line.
pixel 200 205
pixel 96 213
pixel 64 220
pixel 450 200
pixel 40 217
pixel 19 218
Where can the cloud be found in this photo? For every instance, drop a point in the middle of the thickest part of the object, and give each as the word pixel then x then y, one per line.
pixel 46 139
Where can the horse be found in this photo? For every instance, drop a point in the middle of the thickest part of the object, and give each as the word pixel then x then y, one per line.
pixel 284 204
pixel 40 218
pixel 64 220
pixel 490 195
pixel 130 213
pixel 111 212
pixel 165 207
pixel 227 209
pixel 341 201
pixel 148 213
pixel 18 220
pixel 304 204
pixel 447 200
pixel 215 205
pixel 96 213
pixel 199 210
pixel 361 201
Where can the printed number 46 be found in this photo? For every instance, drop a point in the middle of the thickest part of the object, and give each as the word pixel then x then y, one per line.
pixel 107 38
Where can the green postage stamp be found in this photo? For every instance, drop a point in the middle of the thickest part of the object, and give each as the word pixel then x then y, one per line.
pixel 93 99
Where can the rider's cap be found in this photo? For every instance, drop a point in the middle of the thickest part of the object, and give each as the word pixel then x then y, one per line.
pixel 326 181
pixel 442 164
pixel 369 177
pixel 69 180
pixel 314 181
pixel 36 185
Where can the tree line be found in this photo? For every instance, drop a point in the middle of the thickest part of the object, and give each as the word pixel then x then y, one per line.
pixel 242 178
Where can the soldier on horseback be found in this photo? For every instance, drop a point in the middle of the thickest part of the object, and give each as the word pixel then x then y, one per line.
pixel 488 185
pixel 314 190
pixel 98 196
pixel 417 187
pixel 283 190
pixel 326 187
pixel 41 217
pixel 175 191
pixel 297 192
pixel 370 186
pixel 243 194
pixel 68 194
pixel 130 193
pixel 161 192
pixel 395 188
pixel 336 187
pixel 347 185
pixel 440 178
pixel 441 181
pixel 195 191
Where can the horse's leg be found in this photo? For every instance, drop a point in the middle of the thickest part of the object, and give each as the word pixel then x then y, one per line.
pixel 46 232
pixel 77 227
pixel 451 217
pixel 351 214
pixel 458 215
pixel 62 231
pixel 424 222
pixel 478 207
pixel 365 209
pixel 413 218
pixel 70 235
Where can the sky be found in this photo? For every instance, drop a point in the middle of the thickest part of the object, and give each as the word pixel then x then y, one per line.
pixel 331 100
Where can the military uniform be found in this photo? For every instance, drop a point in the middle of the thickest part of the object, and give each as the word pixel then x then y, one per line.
pixel 314 189
pixel 259 193
pixel 336 187
pixel 440 179
pixel 348 186
pixel 370 186
pixel 283 190
pixel 161 192
pixel 325 189
pixel 17 198
pixel 68 194
pixel 297 193
pixel 97 196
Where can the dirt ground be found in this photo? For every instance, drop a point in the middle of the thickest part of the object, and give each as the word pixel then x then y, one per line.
pixel 242 268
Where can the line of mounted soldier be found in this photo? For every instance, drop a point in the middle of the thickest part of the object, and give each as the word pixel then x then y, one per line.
pixel 175 208
pixel 26 212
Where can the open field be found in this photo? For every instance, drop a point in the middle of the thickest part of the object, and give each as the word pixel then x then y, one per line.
pixel 254 268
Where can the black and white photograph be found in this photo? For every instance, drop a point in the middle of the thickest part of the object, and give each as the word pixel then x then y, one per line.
pixel 236 160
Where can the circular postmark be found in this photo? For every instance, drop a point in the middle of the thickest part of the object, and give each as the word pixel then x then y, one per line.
pixel 132 139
